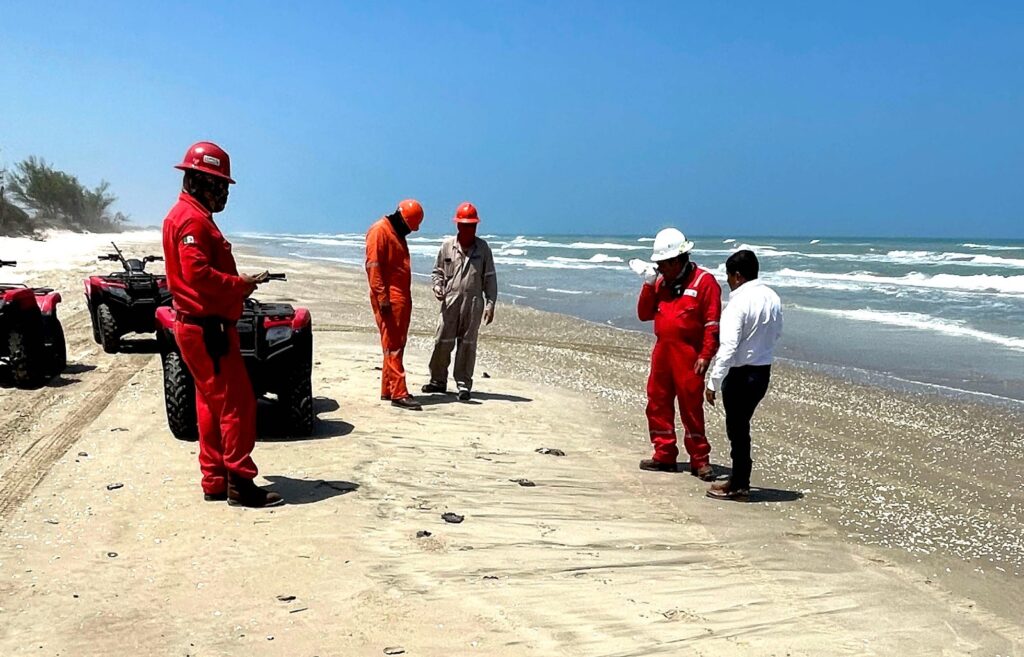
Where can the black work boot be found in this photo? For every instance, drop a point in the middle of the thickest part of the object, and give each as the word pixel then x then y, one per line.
pixel 464 395
pixel 434 387
pixel 408 403
pixel 243 492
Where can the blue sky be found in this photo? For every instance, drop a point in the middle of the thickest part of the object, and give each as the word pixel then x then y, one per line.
pixel 783 118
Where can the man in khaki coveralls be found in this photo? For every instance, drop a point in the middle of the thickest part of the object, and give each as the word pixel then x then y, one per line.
pixel 463 279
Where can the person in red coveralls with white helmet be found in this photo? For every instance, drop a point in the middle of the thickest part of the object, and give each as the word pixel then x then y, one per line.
pixel 685 303
pixel 389 273
pixel 208 294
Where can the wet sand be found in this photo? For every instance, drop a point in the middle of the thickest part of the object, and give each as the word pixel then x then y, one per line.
pixel 885 523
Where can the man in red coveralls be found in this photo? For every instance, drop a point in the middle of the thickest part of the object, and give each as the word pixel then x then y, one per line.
pixel 389 271
pixel 208 292
pixel 685 303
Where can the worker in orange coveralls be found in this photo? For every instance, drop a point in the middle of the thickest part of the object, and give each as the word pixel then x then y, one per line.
pixel 207 293
pixel 389 271
pixel 685 303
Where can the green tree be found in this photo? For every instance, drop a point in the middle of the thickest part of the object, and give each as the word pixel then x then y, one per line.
pixel 56 199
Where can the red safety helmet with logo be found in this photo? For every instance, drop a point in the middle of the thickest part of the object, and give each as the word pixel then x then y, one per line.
pixel 466 214
pixel 209 158
pixel 412 213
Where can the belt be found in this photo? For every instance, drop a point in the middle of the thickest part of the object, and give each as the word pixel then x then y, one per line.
pixel 193 320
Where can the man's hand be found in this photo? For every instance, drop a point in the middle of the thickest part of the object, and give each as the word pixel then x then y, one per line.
pixel 250 283
pixel 701 366
pixel 709 395
pixel 488 315
pixel 385 307
pixel 438 293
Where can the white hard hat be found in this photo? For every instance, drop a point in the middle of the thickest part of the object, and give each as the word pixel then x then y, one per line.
pixel 669 243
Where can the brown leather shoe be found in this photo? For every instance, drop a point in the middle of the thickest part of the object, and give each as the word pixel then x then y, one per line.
pixel 385 397
pixel 704 473
pixel 408 403
pixel 243 492
pixel 657 466
pixel 215 497
pixel 721 491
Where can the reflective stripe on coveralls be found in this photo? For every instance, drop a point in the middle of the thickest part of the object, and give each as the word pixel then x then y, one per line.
pixel 204 282
pixel 389 272
pixel 687 329
pixel 467 278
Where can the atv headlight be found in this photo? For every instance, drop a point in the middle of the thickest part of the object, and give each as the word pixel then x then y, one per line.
pixel 278 334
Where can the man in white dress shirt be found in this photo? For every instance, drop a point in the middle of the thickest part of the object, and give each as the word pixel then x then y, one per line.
pixel 751 325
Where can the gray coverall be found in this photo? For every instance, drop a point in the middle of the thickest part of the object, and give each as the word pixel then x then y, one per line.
pixel 467 279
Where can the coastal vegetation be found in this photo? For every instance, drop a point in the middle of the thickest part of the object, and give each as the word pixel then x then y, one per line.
pixel 35 196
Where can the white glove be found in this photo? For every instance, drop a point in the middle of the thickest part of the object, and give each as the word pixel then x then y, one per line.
pixel 646 270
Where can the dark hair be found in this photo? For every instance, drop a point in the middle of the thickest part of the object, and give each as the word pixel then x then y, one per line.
pixel 744 263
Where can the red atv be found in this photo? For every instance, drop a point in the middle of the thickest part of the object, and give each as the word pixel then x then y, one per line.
pixel 277 345
pixel 124 301
pixel 31 337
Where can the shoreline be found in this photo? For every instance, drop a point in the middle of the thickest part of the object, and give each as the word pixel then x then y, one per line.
pixel 873 522
pixel 845 373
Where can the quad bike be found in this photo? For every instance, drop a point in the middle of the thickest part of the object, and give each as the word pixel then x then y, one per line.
pixel 125 301
pixel 277 346
pixel 31 336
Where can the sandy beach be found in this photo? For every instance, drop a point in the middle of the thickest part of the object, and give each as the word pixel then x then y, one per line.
pixel 884 523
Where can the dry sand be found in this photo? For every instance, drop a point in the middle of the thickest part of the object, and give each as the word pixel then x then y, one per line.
pixel 869 497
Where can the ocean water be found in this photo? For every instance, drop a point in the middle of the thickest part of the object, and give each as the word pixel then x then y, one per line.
pixel 945 314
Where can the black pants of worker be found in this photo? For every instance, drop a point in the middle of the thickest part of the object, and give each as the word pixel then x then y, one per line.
pixel 742 390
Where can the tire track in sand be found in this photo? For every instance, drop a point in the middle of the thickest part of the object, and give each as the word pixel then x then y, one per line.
pixel 29 468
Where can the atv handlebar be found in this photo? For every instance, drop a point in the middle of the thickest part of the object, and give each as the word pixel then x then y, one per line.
pixel 8 263
pixel 113 257
pixel 152 258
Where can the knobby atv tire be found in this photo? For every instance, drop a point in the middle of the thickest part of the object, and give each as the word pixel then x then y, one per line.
pixel 297 399
pixel 57 353
pixel 110 339
pixel 180 398
pixel 96 328
pixel 23 348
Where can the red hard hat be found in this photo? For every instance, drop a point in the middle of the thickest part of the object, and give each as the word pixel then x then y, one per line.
pixel 209 158
pixel 466 214
pixel 412 213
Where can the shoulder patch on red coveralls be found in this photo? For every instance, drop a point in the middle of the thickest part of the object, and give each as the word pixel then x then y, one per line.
pixel 188 239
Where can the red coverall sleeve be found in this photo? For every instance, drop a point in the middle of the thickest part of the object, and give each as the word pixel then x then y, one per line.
pixel 647 305
pixel 194 255
pixel 376 261
pixel 712 316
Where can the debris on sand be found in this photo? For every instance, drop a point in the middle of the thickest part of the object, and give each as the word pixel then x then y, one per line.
pixel 523 482
pixel 112 554
pixel 423 533
pixel 83 453
pixel 286 598
pixel 394 650
pixel 486 375
pixel 453 518
pixel 550 451
pixel 115 486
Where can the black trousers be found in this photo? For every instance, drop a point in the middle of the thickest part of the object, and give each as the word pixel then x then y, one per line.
pixel 742 390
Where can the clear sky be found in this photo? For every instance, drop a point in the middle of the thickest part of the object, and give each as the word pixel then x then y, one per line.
pixel 759 118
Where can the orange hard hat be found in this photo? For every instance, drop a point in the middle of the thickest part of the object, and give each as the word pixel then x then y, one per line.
pixel 466 214
pixel 209 158
pixel 412 213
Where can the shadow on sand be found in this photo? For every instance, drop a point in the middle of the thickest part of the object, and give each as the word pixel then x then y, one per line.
pixel 308 491
pixel 274 428
pixel 478 397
